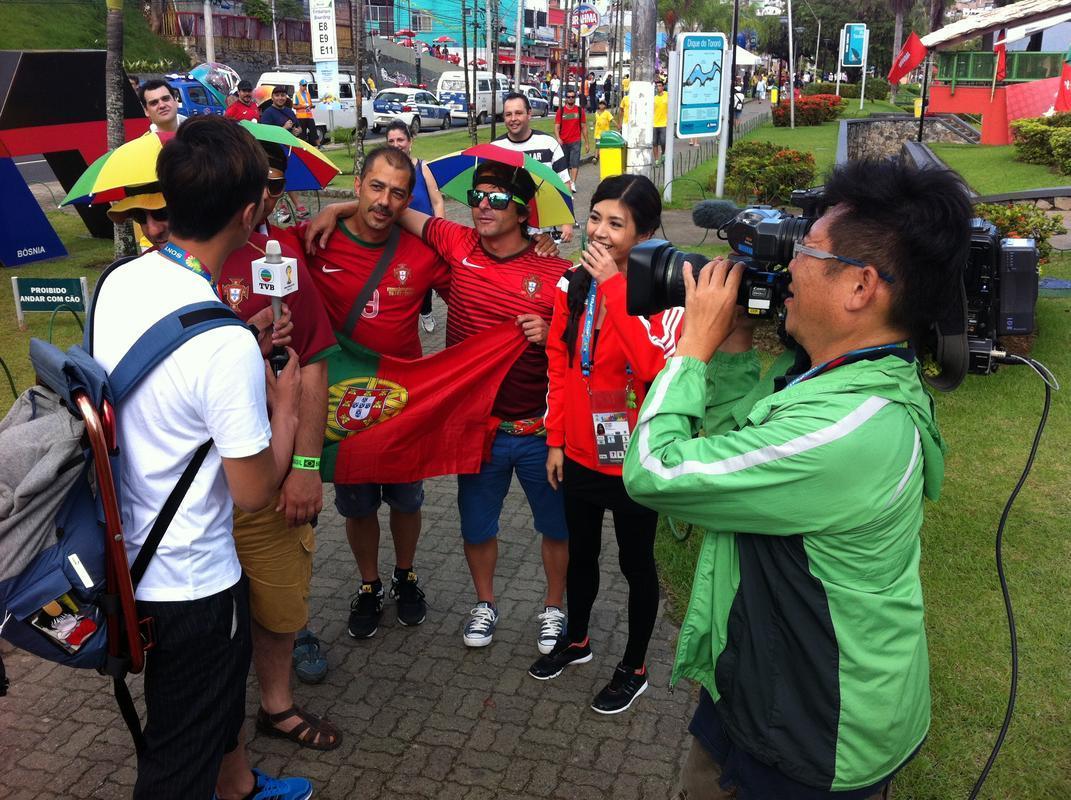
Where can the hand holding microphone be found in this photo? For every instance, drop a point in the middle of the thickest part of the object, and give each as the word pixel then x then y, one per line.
pixel 275 276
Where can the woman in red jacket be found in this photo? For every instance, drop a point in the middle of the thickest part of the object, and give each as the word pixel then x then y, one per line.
pixel 601 362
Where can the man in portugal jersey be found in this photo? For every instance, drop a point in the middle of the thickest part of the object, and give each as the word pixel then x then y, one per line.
pixel 386 324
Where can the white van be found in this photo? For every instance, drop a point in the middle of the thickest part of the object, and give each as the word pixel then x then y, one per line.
pixel 451 93
pixel 325 120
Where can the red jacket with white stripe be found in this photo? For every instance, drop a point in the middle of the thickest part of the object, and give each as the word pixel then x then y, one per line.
pixel 623 344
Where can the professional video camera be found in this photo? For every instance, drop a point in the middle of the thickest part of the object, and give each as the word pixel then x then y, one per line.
pixel 999 292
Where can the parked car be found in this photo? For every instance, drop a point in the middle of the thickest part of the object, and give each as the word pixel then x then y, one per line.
pixel 451 91
pixel 326 120
pixel 539 103
pixel 194 98
pixel 417 108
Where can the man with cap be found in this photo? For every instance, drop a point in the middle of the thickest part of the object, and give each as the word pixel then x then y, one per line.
pixel 243 107
pixel 149 211
pixel 498 275
pixel 275 544
pixel 280 113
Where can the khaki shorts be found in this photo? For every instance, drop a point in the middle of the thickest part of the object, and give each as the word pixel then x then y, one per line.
pixel 278 562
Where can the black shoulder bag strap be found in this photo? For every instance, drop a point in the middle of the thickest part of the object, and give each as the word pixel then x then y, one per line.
pixel 373 281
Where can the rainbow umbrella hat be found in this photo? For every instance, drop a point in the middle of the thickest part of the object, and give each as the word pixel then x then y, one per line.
pixel 553 202
pixel 307 169
pixel 121 172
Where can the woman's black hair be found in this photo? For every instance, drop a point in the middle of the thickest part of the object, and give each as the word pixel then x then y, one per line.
pixel 641 197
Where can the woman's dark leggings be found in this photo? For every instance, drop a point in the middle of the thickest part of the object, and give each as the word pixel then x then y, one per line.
pixel 588 495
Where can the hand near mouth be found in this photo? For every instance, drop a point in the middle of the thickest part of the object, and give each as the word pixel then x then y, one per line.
pixel 598 262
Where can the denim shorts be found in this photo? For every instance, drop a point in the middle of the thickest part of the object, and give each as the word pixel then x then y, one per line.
pixel 571 151
pixel 659 137
pixel 480 496
pixel 363 499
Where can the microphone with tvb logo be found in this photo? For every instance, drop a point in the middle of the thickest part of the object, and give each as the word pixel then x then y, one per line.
pixel 275 276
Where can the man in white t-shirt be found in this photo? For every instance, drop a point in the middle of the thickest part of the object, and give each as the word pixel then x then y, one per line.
pixel 214 386
pixel 161 104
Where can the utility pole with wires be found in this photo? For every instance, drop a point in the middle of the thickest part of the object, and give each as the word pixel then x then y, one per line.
pixel 492 57
pixel 517 49
pixel 357 35
pixel 469 99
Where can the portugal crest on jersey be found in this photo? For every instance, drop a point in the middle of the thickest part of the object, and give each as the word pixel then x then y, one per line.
pixel 235 292
pixel 531 286
pixel 402 273
pixel 359 403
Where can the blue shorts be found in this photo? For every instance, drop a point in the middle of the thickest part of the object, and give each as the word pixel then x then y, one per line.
pixel 354 500
pixel 480 496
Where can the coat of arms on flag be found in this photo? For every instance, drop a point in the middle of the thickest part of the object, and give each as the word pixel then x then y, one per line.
pixel 359 403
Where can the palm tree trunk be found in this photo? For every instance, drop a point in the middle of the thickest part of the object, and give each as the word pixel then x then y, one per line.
pixel 156 16
pixel 113 103
pixel 357 34
pixel 898 42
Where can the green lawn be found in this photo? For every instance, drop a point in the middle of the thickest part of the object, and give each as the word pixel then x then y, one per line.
pixel 80 25
pixel 992 169
pixel 988 423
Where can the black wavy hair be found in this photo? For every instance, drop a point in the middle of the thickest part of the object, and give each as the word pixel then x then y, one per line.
pixel 644 203
pixel 911 223
pixel 209 172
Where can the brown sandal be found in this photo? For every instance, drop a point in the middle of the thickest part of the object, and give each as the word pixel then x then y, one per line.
pixel 313 732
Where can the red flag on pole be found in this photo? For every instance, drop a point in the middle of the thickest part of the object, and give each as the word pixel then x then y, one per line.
pixel 909 57
pixel 1001 50
pixel 1063 94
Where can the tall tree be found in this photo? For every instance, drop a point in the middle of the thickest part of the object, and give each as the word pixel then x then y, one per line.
pixel 156 16
pixel 357 34
pixel 899 9
pixel 113 104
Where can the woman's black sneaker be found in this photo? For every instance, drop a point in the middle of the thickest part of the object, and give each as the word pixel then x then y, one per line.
pixel 563 654
pixel 623 688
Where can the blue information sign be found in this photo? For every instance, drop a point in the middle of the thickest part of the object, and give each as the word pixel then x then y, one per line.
pixel 854 44
pixel 699 104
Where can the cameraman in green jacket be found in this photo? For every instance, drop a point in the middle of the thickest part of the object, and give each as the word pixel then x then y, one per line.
pixel 805 626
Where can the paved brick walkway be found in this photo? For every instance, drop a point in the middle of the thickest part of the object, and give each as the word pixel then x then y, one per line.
pixel 422 715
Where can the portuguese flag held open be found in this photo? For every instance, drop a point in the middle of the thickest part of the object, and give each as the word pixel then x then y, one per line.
pixel 392 420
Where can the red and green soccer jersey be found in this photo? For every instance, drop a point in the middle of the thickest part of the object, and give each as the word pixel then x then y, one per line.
pixel 485 291
pixel 570 121
pixel 388 324
pixel 312 338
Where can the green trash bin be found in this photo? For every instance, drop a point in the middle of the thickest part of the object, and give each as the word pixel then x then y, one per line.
pixel 612 154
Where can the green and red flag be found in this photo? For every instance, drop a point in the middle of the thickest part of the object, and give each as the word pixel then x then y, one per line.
pixel 394 420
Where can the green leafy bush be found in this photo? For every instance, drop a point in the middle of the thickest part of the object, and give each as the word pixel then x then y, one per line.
pixel 344 137
pixel 764 172
pixel 1032 141
pixel 1060 142
pixel 1023 220
pixel 876 89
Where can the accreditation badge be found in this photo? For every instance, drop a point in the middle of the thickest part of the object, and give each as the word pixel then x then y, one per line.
pixel 609 418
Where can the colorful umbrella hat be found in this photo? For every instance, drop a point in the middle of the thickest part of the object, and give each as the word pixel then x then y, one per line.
pixel 130 165
pixel 553 202
pixel 307 169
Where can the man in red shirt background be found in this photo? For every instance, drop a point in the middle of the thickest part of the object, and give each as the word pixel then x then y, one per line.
pixel 570 125
pixel 243 107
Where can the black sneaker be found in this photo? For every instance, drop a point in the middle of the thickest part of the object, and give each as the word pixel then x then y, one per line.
pixel 411 606
pixel 563 654
pixel 365 611
pixel 622 689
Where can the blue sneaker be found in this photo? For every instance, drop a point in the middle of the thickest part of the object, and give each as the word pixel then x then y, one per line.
pixel 268 788
pixel 309 663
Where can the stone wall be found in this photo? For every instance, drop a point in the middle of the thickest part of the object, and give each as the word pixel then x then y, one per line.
pixel 878 138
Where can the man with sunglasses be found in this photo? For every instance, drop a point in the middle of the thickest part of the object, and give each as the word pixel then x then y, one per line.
pixel 805 629
pixel 275 544
pixel 149 211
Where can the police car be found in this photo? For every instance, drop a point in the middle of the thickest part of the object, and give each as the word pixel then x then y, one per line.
pixel 540 105
pixel 417 108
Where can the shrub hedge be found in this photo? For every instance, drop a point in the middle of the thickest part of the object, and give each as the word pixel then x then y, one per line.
pixel 1023 220
pixel 1037 139
pixel 810 110
pixel 765 172
pixel 876 89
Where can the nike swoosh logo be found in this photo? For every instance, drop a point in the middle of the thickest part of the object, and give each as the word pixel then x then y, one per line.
pixel 465 262
pixel 326 269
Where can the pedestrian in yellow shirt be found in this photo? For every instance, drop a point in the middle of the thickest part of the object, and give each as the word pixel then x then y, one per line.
pixel 624 110
pixel 661 119
pixel 604 120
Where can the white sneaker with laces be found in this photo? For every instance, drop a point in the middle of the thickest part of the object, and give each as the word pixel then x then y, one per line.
pixel 427 322
pixel 480 629
pixel 551 625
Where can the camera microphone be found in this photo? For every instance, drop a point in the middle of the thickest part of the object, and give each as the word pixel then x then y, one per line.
pixel 713 214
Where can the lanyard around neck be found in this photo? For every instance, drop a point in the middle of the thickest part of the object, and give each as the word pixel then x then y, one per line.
pixel 865 353
pixel 589 327
pixel 187 261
